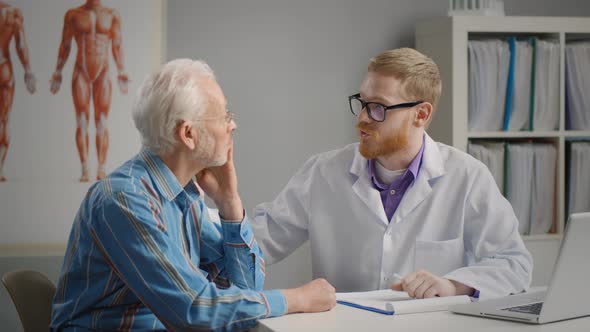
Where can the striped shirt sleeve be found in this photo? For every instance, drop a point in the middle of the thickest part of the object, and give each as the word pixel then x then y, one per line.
pixel 142 255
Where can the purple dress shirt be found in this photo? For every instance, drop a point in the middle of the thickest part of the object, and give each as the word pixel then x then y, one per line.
pixel 391 195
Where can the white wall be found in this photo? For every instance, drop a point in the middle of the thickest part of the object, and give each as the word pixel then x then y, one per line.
pixel 286 68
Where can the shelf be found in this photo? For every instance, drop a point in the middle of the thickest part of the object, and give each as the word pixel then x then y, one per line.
pixel 542 237
pixel 529 134
pixel 514 134
pixel 577 133
pixel 446 41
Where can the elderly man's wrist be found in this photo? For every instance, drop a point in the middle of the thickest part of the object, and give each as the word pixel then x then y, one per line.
pixel 231 209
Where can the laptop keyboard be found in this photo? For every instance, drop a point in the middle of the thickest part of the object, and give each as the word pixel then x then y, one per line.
pixel 533 308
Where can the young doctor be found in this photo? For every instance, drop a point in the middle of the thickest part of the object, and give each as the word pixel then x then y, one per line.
pixel 397 202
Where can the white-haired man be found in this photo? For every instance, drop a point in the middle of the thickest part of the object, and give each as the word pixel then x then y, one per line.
pixel 397 203
pixel 143 253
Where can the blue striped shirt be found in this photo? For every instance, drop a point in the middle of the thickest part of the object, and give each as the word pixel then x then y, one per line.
pixel 143 254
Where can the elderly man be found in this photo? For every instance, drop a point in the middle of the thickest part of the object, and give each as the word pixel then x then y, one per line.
pixel 143 253
pixel 398 203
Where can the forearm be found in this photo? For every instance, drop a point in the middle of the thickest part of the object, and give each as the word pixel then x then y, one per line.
pixel 62 57
pixel 118 57
pixel 244 264
pixel 23 54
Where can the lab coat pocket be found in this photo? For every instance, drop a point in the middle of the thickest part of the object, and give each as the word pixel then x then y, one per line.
pixel 439 257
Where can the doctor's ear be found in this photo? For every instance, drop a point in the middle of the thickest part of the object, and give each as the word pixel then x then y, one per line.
pixel 423 114
pixel 187 135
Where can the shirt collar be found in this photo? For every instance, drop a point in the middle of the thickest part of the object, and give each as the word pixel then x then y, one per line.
pixel 413 168
pixel 166 182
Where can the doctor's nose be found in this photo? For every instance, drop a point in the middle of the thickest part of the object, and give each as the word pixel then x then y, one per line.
pixel 363 117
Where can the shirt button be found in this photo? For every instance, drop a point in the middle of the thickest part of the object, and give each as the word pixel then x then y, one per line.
pixel 392 192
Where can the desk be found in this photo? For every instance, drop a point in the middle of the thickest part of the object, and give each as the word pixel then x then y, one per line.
pixel 343 318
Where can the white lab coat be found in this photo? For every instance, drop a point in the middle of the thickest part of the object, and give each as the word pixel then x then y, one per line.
pixel 452 221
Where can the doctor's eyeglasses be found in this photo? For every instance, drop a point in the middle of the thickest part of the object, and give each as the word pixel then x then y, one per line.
pixel 375 111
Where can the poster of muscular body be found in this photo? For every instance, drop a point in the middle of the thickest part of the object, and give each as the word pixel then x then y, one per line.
pixel 51 135
pixel 96 30
pixel 11 28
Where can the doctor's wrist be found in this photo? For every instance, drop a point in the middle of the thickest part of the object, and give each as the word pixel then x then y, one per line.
pixel 462 289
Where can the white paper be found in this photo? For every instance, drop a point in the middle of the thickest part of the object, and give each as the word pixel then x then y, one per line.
pixel 400 302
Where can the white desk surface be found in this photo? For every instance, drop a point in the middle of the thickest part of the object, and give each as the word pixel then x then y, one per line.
pixel 343 318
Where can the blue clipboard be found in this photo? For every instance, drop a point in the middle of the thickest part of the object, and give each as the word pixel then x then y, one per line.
pixel 358 306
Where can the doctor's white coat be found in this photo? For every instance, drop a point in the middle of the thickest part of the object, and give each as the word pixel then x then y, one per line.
pixel 452 221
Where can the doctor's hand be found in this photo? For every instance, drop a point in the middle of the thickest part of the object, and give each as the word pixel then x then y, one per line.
pixel 423 284
pixel 221 184
pixel 315 296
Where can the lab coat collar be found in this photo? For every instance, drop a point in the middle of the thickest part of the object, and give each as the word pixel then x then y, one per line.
pixel 432 167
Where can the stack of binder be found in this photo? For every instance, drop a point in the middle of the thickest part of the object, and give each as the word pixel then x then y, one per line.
pixel 519 182
pixel 544 192
pixel 513 84
pixel 489 62
pixel 577 69
pixel 546 85
pixel 579 177
pixel 526 174
pixel 492 155
pixel 518 100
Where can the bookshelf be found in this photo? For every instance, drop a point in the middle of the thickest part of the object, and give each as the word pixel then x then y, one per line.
pixel 445 40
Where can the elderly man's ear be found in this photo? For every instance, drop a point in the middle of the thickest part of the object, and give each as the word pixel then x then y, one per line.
pixel 187 135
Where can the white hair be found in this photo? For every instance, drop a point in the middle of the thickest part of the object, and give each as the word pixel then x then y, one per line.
pixel 168 96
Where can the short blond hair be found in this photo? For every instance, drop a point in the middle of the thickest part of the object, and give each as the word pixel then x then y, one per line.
pixel 418 74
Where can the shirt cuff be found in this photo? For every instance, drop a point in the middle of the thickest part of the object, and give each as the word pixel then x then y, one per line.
pixel 276 304
pixel 237 233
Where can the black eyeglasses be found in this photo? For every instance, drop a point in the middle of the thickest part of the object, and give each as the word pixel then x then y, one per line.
pixel 376 111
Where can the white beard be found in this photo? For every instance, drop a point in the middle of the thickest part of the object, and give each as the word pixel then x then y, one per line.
pixel 205 150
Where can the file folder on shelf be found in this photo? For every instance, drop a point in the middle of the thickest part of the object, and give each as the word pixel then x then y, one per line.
pixel 519 182
pixel 577 85
pixel 579 177
pixel 545 85
pixel 544 189
pixel 489 62
pixel 519 85
pixel 492 155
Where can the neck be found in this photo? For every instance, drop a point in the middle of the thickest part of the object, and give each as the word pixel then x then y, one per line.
pixel 182 166
pixel 401 159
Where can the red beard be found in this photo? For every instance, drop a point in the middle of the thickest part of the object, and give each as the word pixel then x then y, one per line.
pixel 376 145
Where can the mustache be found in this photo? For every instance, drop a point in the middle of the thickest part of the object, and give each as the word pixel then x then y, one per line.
pixel 366 127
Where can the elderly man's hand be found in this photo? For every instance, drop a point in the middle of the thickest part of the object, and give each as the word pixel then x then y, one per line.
pixel 221 184
pixel 315 296
pixel 423 284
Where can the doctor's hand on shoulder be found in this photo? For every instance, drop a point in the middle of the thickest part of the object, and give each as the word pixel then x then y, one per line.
pixel 423 284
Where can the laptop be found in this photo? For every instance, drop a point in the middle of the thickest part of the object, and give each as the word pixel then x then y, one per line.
pixel 567 295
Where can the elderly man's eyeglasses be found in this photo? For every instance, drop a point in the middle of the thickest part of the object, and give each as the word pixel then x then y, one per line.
pixel 376 111
pixel 229 116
